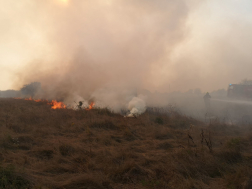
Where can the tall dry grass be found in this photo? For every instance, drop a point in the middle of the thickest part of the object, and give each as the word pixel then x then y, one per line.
pixel 65 148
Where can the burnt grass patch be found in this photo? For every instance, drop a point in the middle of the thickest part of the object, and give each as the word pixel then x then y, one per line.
pixel 45 148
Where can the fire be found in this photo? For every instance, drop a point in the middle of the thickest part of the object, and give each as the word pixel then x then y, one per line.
pixel 57 105
pixel 54 103
pixel 39 100
pixel 36 100
pixel 90 107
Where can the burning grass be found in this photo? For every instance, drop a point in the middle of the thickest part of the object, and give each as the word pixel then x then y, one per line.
pixel 65 148
pixel 54 103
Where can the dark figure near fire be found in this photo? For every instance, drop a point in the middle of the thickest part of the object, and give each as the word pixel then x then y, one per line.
pixel 207 102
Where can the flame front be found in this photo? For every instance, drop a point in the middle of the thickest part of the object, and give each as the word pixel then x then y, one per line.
pixel 54 103
pixel 39 100
pixel 90 107
pixel 36 100
pixel 57 105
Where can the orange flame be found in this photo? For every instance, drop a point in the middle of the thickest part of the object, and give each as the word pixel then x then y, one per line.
pixel 90 107
pixel 57 105
pixel 54 103
pixel 39 100
pixel 29 98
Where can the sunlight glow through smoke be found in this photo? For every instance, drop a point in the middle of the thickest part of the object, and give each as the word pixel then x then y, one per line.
pixel 64 1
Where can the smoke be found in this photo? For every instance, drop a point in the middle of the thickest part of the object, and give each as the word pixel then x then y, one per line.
pixel 102 50
pixel 109 50
pixel 137 106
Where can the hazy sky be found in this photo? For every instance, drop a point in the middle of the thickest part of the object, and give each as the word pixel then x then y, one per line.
pixel 158 45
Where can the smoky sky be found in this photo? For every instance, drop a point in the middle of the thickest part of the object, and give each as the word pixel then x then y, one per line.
pixel 91 47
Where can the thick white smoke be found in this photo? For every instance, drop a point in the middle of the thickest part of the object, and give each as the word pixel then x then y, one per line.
pixel 109 50
pixel 136 106
pixel 103 51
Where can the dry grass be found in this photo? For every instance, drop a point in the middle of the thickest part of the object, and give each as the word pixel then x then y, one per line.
pixel 45 148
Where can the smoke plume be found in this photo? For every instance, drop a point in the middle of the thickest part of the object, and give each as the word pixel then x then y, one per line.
pixel 109 50
pixel 103 50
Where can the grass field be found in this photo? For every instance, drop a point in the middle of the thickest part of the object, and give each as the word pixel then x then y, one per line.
pixel 64 148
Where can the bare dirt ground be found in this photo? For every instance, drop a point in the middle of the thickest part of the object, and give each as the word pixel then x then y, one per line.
pixel 64 148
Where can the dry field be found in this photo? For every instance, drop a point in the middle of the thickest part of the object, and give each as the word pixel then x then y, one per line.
pixel 64 148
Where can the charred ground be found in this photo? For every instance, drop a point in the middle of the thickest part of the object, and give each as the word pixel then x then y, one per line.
pixel 64 148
